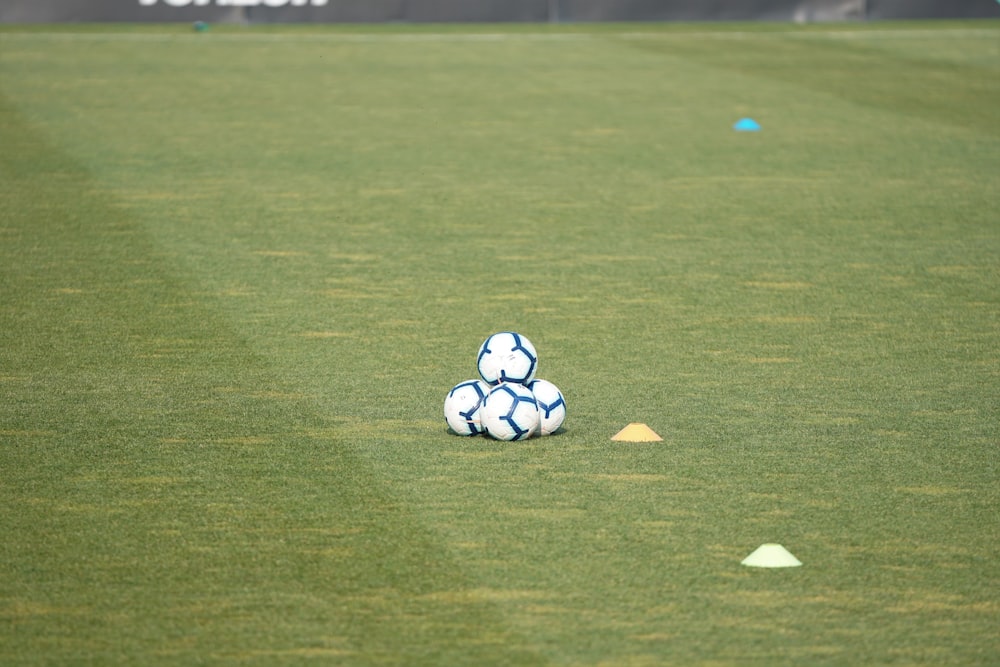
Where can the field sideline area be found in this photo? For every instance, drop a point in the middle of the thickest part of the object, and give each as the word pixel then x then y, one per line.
pixel 241 268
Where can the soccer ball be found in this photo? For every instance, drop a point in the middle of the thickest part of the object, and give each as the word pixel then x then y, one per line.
pixel 507 357
pixel 551 405
pixel 462 404
pixel 509 412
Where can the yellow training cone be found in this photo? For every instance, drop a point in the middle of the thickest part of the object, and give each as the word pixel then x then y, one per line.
pixel 771 555
pixel 636 432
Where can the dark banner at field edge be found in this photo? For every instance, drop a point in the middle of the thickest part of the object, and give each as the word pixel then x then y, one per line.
pixel 425 11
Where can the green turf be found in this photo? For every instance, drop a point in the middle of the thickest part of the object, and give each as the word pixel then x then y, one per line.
pixel 239 270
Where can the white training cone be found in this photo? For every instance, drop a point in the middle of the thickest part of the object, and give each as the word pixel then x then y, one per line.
pixel 771 555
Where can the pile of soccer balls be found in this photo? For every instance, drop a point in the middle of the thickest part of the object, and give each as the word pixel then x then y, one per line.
pixel 508 403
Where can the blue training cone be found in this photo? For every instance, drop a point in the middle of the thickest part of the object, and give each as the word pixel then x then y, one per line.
pixel 746 125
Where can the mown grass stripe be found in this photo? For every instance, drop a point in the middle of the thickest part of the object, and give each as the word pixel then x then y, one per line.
pixel 172 508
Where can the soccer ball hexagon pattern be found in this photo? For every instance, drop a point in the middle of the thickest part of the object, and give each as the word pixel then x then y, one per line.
pixel 461 406
pixel 510 412
pixel 507 403
pixel 551 406
pixel 507 357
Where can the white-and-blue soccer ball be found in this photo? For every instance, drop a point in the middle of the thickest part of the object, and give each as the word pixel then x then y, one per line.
pixel 509 412
pixel 507 357
pixel 462 405
pixel 551 406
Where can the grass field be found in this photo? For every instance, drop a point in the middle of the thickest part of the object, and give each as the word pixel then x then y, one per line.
pixel 240 270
